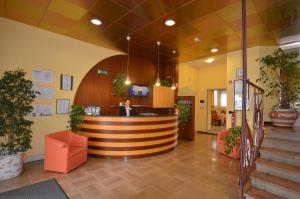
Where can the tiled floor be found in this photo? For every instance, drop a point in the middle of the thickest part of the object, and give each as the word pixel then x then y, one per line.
pixel 193 170
pixel 215 129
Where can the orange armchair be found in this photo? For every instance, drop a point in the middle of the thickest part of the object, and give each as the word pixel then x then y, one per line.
pixel 64 151
pixel 221 148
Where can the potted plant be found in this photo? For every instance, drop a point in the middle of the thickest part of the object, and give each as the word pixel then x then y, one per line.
pixel 75 118
pixel 16 97
pixel 184 115
pixel 280 73
pixel 231 140
pixel 119 85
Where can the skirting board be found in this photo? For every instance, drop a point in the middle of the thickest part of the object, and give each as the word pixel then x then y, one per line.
pixel 34 158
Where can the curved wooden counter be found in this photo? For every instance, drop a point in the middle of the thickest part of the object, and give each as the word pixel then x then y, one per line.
pixel 132 137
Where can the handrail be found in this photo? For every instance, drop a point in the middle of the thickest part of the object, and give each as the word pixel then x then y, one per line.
pixel 253 138
pixel 255 86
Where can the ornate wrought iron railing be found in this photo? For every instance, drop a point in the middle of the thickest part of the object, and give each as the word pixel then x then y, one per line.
pixel 253 134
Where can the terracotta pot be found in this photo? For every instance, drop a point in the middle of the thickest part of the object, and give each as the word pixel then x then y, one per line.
pixel 11 166
pixel 283 117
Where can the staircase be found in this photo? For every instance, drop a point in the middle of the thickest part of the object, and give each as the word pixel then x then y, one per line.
pixel 277 173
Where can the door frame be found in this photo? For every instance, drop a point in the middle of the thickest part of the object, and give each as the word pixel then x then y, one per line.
pixel 206 115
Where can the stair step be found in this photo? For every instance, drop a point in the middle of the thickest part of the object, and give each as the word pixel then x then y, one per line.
pixel 293 146
pixel 254 193
pixel 287 157
pixel 292 136
pixel 278 169
pixel 275 185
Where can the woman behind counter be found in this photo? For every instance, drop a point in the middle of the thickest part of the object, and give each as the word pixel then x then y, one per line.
pixel 126 110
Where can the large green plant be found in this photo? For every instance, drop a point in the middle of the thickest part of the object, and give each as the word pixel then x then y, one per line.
pixel 119 84
pixel 231 139
pixel 75 118
pixel 280 73
pixel 16 97
pixel 183 114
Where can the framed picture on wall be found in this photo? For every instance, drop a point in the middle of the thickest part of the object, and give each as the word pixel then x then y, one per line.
pixel 66 82
pixel 238 95
pixel 62 106
pixel 239 72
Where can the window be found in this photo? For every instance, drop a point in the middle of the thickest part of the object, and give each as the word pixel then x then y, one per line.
pixel 215 97
pixel 223 99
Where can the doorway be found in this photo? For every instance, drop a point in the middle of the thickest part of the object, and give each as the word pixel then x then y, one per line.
pixel 216 110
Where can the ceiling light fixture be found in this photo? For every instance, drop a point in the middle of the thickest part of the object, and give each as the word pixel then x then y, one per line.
pixel 197 39
pixel 127 81
pixel 290 45
pixel 214 50
pixel 173 82
pixel 96 22
pixel 170 22
pixel 209 60
pixel 157 83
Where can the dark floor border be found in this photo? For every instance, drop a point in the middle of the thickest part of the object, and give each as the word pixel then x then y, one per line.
pixel 204 132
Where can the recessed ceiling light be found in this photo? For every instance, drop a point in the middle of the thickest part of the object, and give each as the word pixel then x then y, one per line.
pixel 96 22
pixel 170 22
pixel 209 60
pixel 214 50
pixel 197 39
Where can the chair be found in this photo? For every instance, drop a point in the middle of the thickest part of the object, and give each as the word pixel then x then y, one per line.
pixel 221 148
pixel 64 151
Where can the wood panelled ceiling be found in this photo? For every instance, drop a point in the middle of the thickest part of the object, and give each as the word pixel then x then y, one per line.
pixel 216 22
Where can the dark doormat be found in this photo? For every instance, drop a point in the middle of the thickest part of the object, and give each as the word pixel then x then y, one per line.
pixel 48 189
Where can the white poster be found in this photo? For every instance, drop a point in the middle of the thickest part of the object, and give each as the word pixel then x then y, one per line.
pixel 44 92
pixel 41 110
pixel 66 82
pixel 42 76
pixel 62 106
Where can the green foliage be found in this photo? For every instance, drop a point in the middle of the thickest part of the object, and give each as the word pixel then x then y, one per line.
pixel 118 84
pixel 75 118
pixel 231 139
pixel 16 97
pixel 184 114
pixel 280 73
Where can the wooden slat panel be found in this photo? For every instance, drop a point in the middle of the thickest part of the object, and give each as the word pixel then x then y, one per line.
pixel 126 136
pixel 131 144
pixel 138 152
pixel 129 119
pixel 121 128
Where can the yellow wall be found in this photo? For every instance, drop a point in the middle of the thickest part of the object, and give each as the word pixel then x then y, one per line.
pixel 234 61
pixel 209 77
pixel 194 80
pixel 30 48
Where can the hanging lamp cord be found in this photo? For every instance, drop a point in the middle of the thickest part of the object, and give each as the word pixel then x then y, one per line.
pixel 128 57
pixel 158 59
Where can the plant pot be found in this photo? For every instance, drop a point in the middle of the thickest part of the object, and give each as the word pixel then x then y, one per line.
pixel 283 117
pixel 10 166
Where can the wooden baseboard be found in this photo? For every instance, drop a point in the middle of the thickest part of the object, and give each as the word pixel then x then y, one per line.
pixel 204 132
pixel 267 123
pixel 34 158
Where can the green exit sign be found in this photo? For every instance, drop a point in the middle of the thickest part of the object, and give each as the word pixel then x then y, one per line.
pixel 102 72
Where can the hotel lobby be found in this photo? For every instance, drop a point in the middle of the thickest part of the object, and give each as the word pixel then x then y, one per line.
pixel 133 99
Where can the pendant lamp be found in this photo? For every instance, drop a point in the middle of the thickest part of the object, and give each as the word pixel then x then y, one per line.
pixel 173 81
pixel 127 81
pixel 157 83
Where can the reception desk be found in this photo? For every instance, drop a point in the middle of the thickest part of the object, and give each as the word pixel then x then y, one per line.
pixel 130 137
